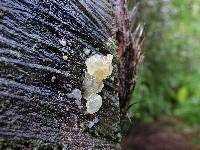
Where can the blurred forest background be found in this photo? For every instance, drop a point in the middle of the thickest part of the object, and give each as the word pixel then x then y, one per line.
pixel 168 84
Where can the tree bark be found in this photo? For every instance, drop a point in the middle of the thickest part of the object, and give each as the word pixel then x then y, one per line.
pixel 35 78
pixel 42 60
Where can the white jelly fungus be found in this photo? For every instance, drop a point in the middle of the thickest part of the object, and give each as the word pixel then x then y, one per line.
pixel 99 67
pixel 94 103
pixel 91 85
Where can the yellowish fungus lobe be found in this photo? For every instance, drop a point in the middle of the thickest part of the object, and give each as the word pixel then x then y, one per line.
pixel 99 67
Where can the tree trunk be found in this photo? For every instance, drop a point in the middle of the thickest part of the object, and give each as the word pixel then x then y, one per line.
pixel 44 47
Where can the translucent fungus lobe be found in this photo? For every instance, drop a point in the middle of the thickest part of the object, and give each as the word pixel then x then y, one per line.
pixel 99 67
pixel 94 103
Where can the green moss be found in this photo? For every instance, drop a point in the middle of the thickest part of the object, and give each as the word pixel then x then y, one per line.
pixel 112 46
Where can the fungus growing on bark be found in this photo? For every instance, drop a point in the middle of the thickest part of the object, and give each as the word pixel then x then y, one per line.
pixel 94 103
pixel 99 67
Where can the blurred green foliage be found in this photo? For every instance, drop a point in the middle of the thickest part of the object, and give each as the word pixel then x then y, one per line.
pixel 168 82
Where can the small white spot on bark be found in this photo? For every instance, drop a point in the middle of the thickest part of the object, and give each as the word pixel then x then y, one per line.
pixel 53 79
pixel 86 51
pixel 112 78
pixel 119 136
pixel 91 123
pixel 16 53
pixel 76 94
pixel 63 42
pixel 67 109
pixel 80 106
pixel 65 57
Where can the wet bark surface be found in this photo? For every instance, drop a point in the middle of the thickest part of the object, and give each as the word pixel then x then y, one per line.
pixel 35 78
